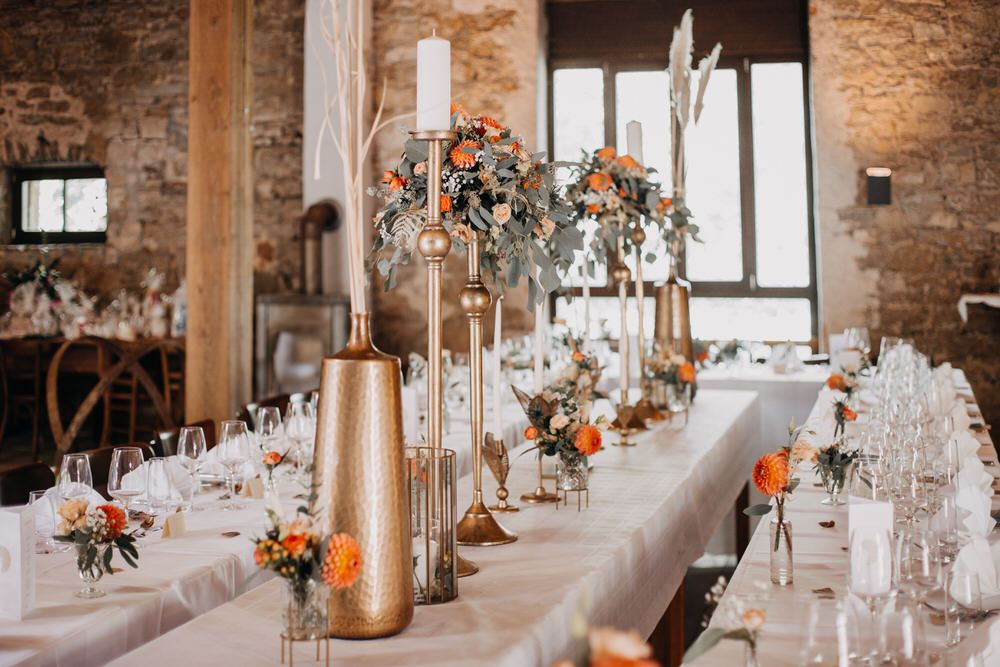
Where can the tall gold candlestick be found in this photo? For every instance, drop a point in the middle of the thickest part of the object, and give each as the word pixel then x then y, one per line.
pixel 478 527
pixel 644 408
pixel 627 421
pixel 434 244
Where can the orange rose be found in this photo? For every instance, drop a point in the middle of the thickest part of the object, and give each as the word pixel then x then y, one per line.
pixel 387 176
pixel 460 159
pixel 397 183
pixel 295 544
pixel 702 357
pixel 837 382
pixel 117 522
pixel 272 458
pixel 599 181
pixel 445 203
pixel 628 162
pixel 607 153
pixel 770 474
pixel 578 356
pixel 258 556
pixel 530 433
pixel 664 204
pixel 342 563
pixel 686 372
pixel 587 440
pixel 849 415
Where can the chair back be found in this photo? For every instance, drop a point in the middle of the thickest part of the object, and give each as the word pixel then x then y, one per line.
pixel 248 412
pixel 165 442
pixel 17 483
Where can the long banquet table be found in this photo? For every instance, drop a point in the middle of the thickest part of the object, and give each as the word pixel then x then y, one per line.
pixel 821 561
pixel 653 508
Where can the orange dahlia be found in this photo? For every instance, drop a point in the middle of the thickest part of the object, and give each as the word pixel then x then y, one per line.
pixel 460 109
pixel 628 162
pixel 342 563
pixel 445 203
pixel 849 415
pixel 587 440
pixel 686 372
pixel 836 381
pixel 702 356
pixel 770 474
pixel 490 122
pixel 460 159
pixel 387 176
pixel 397 183
pixel 530 433
pixel 607 153
pixel 295 544
pixel 117 522
pixel 599 181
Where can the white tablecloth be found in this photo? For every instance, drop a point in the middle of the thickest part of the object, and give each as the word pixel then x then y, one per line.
pixel 652 509
pixel 820 559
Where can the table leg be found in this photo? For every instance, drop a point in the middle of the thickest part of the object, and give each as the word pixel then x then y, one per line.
pixel 742 521
pixel 667 639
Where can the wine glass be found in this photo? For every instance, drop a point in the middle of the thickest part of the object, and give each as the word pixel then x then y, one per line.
pixel 908 495
pixel 963 605
pixel 870 567
pixel 234 452
pixel 191 450
pixel 75 477
pixel 126 479
pixel 300 428
pixel 268 423
pixel 159 488
pixel 919 566
pixel 901 635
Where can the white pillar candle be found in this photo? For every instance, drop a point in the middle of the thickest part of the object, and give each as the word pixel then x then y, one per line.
pixel 633 138
pixel 539 347
pixel 586 304
pixel 433 84
pixel 498 371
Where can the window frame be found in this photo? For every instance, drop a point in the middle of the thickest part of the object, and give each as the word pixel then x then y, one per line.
pixel 747 287
pixel 20 174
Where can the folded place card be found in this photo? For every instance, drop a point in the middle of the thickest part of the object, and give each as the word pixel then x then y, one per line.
pixel 174 526
pixel 253 488
pixel 17 561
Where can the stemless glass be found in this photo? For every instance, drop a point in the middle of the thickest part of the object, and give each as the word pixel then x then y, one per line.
pixel 901 636
pixel 123 486
pixel 75 478
pixel 44 522
pixel 234 452
pixel 159 488
pixel 191 449
pixel 963 605
pixel 919 564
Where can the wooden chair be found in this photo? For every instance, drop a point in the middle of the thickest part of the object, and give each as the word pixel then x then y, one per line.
pixel 248 412
pixel 17 483
pixel 165 442
pixel 21 380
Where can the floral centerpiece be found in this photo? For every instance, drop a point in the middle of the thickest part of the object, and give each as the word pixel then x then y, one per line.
pixel 842 413
pixel 96 532
pixel 492 186
pixel 560 427
pixel 583 372
pixel 774 476
pixel 832 463
pixel 670 377
pixel 311 565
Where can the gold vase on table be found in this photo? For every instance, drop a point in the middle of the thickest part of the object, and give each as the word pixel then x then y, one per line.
pixel 478 527
pixel 360 490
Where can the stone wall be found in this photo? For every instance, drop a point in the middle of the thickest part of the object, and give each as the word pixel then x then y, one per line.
pixel 494 54
pixel 106 81
pixel 911 86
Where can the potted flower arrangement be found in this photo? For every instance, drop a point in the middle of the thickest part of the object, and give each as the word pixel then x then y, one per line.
pixel 774 476
pixel 310 565
pixel 491 187
pixel 96 532
pixel 560 427
pixel 670 378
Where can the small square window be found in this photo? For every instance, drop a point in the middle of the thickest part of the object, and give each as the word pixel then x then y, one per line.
pixel 59 204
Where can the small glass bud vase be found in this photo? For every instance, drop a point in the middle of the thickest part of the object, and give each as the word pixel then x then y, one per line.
pixel 781 551
pixel 304 609
pixel 572 471
pixel 678 397
pixel 658 393
pixel 90 576
pixel 833 482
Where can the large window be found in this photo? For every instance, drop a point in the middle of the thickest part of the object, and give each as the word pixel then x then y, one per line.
pixel 65 204
pixel 748 186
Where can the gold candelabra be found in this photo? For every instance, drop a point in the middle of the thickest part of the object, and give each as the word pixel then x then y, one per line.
pixel 644 409
pixel 434 244
pixel 626 422
pixel 478 527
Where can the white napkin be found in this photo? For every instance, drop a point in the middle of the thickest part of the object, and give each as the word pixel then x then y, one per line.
pixel 213 466
pixel 974 511
pixel 979 557
pixel 968 446
pixel 46 515
pixel 960 416
pixel 180 480
pixel 972 475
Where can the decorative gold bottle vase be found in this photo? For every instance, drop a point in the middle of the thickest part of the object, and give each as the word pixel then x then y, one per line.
pixel 359 484
pixel 673 315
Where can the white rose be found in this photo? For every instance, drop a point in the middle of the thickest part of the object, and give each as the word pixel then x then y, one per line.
pixel 420 168
pixel 501 212
pixel 559 421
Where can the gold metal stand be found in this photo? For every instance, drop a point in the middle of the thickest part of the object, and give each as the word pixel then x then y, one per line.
pixel 626 421
pixel 585 492
pixel 644 409
pixel 495 453
pixel 434 244
pixel 539 495
pixel 478 527
pixel 291 649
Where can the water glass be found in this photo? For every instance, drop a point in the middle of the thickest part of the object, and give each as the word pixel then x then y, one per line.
pixel 900 636
pixel 234 452
pixel 45 522
pixel 126 479
pixel 870 567
pixel 918 566
pixel 963 604
pixel 159 488
pixel 191 449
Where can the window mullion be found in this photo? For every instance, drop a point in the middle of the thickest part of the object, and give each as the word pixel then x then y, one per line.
pixel 610 112
pixel 747 204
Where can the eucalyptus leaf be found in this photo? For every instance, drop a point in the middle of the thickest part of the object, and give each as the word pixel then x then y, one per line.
pixel 758 510
pixel 415 150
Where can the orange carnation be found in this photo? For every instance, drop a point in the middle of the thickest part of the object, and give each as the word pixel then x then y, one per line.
pixel 460 159
pixel 530 433
pixel 117 522
pixel 607 153
pixel 628 162
pixel 490 122
pixel 849 415
pixel 686 372
pixel 836 381
pixel 445 203
pixel 295 544
pixel 272 458
pixel 587 440
pixel 599 181
pixel 342 563
pixel 770 474
pixel 397 183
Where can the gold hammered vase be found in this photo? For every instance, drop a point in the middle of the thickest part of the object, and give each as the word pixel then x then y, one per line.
pixel 360 485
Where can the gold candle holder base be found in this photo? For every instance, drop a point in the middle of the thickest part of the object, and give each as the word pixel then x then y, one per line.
pixel 466 567
pixel 502 505
pixel 646 411
pixel 478 528
pixel 539 495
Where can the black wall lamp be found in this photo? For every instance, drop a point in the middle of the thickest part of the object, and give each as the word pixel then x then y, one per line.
pixel 879 189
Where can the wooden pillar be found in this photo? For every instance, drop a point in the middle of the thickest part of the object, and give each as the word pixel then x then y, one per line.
pixel 742 521
pixel 219 210
pixel 667 639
